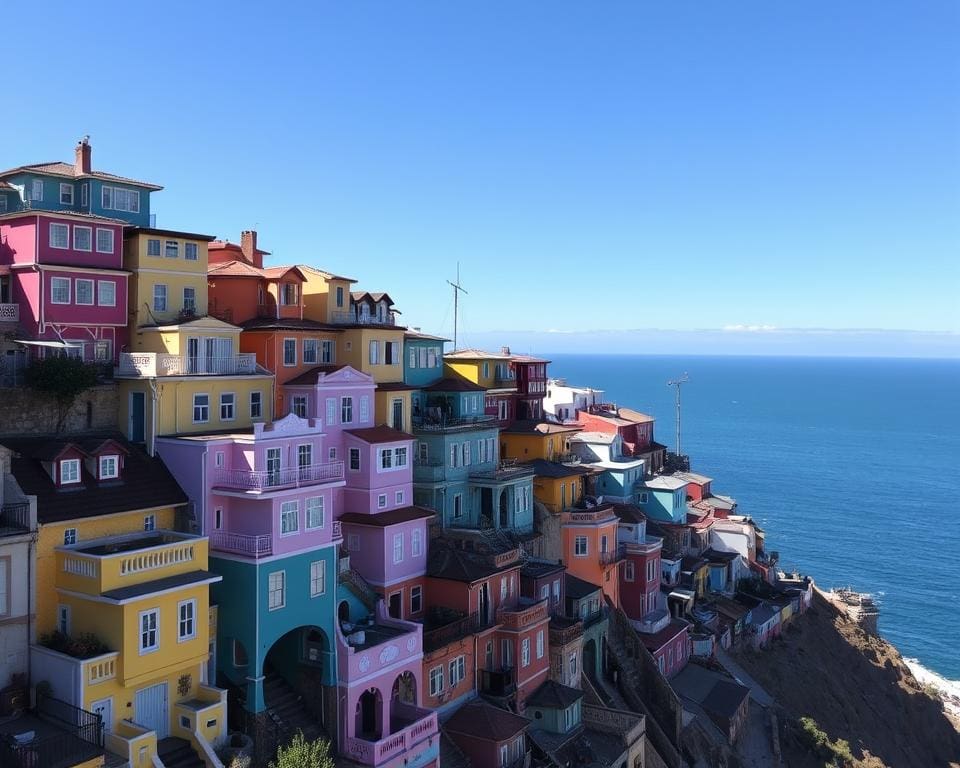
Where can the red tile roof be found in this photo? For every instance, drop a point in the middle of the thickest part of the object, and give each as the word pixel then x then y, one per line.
pixel 69 170
pixel 380 434
pixel 233 269
pixel 485 721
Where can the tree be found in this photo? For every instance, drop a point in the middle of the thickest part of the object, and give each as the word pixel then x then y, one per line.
pixel 301 753
pixel 63 379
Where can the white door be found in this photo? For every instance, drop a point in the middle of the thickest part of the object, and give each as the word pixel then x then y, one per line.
pixel 104 708
pixel 151 709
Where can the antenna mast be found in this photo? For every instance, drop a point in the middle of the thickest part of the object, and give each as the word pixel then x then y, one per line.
pixel 678 383
pixel 457 288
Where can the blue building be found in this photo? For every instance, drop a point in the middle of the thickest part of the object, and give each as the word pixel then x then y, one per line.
pixel 422 359
pixel 664 498
pixel 77 188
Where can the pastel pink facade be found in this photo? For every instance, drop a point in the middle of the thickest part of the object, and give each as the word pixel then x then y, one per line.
pixel 65 274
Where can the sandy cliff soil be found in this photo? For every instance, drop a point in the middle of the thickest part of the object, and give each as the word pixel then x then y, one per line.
pixel 856 687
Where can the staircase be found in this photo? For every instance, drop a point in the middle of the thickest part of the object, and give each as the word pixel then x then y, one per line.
pixel 287 709
pixel 359 586
pixel 177 753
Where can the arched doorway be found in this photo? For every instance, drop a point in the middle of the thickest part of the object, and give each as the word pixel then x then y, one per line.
pixel 343 611
pixel 504 510
pixel 405 688
pixel 298 676
pixel 369 715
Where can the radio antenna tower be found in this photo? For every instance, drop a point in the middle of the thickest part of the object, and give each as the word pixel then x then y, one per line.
pixel 457 289
pixel 678 383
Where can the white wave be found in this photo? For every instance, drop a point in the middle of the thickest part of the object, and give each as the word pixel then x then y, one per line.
pixel 949 689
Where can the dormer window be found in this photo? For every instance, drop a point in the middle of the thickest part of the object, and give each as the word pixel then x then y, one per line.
pixel 109 467
pixel 69 471
pixel 288 294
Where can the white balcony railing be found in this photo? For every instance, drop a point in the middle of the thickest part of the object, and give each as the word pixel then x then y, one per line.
pixel 359 318
pixel 378 752
pixel 266 480
pixel 242 544
pixel 162 364
pixel 9 313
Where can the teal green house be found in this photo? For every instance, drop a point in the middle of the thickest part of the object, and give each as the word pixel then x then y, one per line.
pixel 76 187
pixel 663 498
pixel 457 471
pixel 422 360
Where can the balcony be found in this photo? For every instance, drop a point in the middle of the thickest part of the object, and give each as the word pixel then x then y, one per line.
pixel 441 634
pixel 430 471
pixel 260 481
pixel 411 725
pixel 100 565
pixel 61 735
pixel 354 318
pixel 149 364
pixel 527 613
pixel 648 546
pixel 564 630
pixel 453 423
pixel 610 556
pixel 503 472
pixel 653 622
pixel 501 682
pixel 594 617
pixel 9 313
pixel 255 546
pixel 15 519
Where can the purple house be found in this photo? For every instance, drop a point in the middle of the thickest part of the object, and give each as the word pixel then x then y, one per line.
pixel 62 281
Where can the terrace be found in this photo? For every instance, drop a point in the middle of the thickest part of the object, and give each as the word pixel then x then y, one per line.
pixel 409 726
pixel 261 481
pixel 444 423
pixel 527 613
pixel 151 364
pixel 54 734
pixel 444 626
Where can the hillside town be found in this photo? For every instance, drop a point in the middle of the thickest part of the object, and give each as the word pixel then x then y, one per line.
pixel 286 512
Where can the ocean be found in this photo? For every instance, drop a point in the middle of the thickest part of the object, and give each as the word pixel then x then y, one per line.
pixel 851 466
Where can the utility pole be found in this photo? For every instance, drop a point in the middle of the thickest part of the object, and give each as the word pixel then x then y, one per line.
pixel 457 288
pixel 678 383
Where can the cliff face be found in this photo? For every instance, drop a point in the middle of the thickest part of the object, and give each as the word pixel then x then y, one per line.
pixel 857 688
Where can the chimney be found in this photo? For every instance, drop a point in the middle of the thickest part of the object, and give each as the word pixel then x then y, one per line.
pixel 81 162
pixel 248 245
pixel 504 350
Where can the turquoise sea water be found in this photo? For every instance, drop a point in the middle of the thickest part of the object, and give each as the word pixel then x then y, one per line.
pixel 851 466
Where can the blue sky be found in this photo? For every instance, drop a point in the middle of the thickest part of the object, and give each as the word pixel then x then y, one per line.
pixel 607 166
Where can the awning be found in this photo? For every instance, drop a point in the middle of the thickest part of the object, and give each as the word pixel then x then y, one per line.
pixel 53 344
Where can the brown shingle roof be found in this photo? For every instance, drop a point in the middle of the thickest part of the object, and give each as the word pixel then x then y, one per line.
pixel 309 378
pixel 456 565
pixel 485 721
pixel 393 517
pixel 145 483
pixel 554 695
pixel 233 269
pixel 69 170
pixel 379 434
pixel 454 383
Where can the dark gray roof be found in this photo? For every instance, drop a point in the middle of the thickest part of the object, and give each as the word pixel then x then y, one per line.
pixel 577 588
pixel 544 468
pixel 554 695
pixel 158 585
pixel 725 698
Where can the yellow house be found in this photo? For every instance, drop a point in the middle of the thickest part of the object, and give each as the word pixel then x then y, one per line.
pixel 190 378
pixel 392 405
pixel 526 440
pixel 326 297
pixel 375 350
pixel 491 370
pixel 169 280
pixel 558 486
pixel 122 596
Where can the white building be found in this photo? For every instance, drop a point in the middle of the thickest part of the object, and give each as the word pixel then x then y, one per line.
pixel 563 401
pixel 18 525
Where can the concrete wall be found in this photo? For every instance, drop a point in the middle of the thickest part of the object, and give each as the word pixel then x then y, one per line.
pixel 25 412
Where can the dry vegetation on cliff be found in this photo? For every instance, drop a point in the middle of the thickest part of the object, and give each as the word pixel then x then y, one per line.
pixel 857 689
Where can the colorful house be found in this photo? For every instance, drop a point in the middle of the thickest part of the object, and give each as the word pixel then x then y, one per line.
pixel 528 440
pixel 491 737
pixel 562 401
pixel 670 646
pixel 559 486
pixel 634 428
pixel 664 498
pixel 585 602
pixel 617 473
pixel 422 361
pixel 76 188
pixel 590 547
pixel 122 603
pixel 515 384
pixel 18 527
pixel 640 596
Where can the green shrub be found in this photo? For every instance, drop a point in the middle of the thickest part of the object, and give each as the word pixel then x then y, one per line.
pixel 301 753
pixel 83 646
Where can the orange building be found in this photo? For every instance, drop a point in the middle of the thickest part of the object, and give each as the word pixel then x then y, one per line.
pixel 590 548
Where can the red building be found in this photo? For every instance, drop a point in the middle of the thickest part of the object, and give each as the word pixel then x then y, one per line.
pixel 634 428
pixel 640 595
pixel 489 736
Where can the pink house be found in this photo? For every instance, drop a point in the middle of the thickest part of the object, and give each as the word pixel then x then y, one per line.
pixel 63 271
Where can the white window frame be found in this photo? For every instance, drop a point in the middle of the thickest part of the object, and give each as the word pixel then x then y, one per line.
pixel 285 516
pixel 256 398
pixel 540 644
pixel 311 351
pixel 149 522
pixel 374 352
pixel 105 461
pixel 382 501
pixel 101 301
pixel 299 405
pixel 318 578
pixel 76 291
pixel 74 464
pixel 525 652
pixel 190 306
pixel 628 574
pixel 416 592
pixel 346 409
pixel 416 543
pixel 457 506
pixel 159 249
pixel 354 452
pixel 576 546
pixel 36 184
pixel 159 292
pixel 205 408
pixel 69 536
pixel 190 620
pixel 105 231
pixel 89 232
pixel 276 590
pixel 397 548
pixel 191 248
pixel 109 201
pixel 63 619
pixel 69 189
pixel 54 281
pixel 228 400
pixel 289 344
pixel 171 249
pixel 436 680
pixel 312 505
pixel 145 632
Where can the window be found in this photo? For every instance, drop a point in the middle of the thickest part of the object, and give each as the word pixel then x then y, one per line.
pixel 218 518
pixel 315 512
pixel 556 591
pixel 457 505
pixel 311 349
pixel 119 199
pixel 36 189
pixel 398 548
pixel 398 497
pixel 327 351
pixel 386 458
pixel 106 293
pixel 346 410
pixel 486 370
pixel 186 620
pixel 573 664
pixel 304 455
pixel 416 543
pixel 400 456
pixel 70 536
pixel 318 578
pixel 458 670
pixel 504 756
pixel 382 501
pixel 298 405
pixel 189 299
pixel 190 251
pixel 413 357
pixel 353 542
pixel 374 352
pixel 643 498
pixel 436 681
pixel 416 599
pixel 289 517
pixel 391 352
pixel 628 570
pixel 256 405
pixel 289 352
pixel 433 361
pixel 84 291
pixel 3 205
pixel 580 546
pixel 149 630
pixel 355 459
pixel 276 590
pixel 219 457
pixel 332 454
pixel 153 247
pixel 339 296
pixel 331 410
pixel 364 409
pixel 60 290
pixel 103 351
pixel 503 589
pixel 66 194
pixel 108 467
pixel 159 297
pixel 63 619
pixel 201 408
pixel 227 406
pixel 525 652
pixel 544 591
pixel 104 240
pixel 540 644
pixel 69 471
pixel 82 237
pixel 288 294
pixel 171 249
